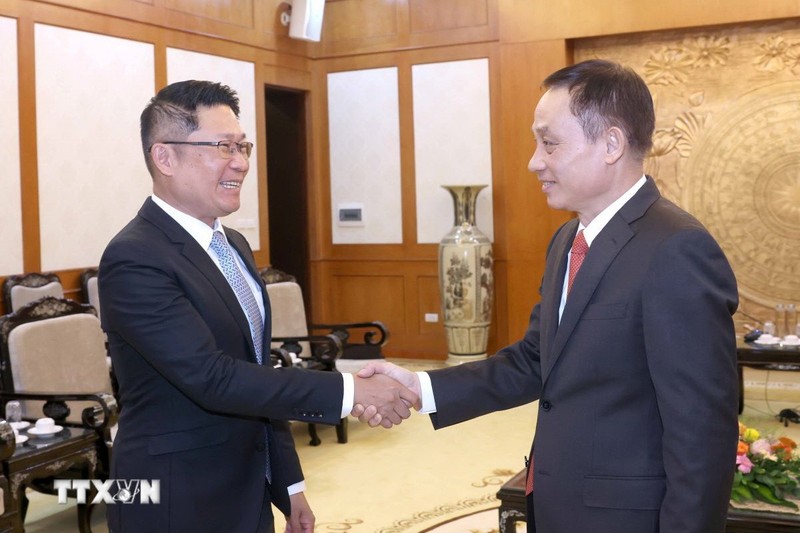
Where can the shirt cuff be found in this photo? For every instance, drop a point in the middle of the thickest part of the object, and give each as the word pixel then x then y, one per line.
pixel 300 486
pixel 426 390
pixel 348 394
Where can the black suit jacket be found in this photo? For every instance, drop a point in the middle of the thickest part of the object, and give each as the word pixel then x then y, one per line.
pixel 196 407
pixel 637 421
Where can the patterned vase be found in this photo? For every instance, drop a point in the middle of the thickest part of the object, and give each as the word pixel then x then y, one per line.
pixel 466 282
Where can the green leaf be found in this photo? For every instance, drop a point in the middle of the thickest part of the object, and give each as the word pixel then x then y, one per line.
pixel 765 495
pixel 765 480
pixel 743 493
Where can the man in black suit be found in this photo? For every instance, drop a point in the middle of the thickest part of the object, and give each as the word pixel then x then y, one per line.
pixel 188 324
pixel 632 355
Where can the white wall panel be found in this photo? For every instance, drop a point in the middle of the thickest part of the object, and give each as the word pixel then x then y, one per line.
pixel 452 142
pixel 90 90
pixel 239 76
pixel 364 133
pixel 10 204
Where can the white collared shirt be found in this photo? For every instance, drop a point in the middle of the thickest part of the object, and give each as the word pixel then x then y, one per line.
pixel 593 230
pixel 202 233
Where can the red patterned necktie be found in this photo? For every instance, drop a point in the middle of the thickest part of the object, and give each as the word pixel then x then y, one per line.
pixel 579 249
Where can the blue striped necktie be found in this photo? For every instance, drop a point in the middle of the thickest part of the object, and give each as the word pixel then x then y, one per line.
pixel 248 302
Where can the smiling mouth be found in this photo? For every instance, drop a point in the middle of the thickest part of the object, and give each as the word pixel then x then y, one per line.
pixel 231 184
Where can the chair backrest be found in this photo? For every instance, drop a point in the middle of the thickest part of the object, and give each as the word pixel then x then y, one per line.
pixel 22 289
pixel 53 345
pixel 273 275
pixel 288 312
pixel 89 290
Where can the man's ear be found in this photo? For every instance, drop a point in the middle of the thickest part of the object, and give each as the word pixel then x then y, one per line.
pixel 616 144
pixel 163 159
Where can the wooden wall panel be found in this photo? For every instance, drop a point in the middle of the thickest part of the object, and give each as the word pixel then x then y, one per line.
pixel 365 26
pixel 524 20
pixel 252 22
pixel 349 20
pixel 428 301
pixel 433 15
pixel 529 223
pixel 234 12
pixel 361 298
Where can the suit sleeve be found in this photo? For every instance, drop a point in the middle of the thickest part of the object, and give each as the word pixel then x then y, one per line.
pixel 172 318
pixel 691 352
pixel 510 378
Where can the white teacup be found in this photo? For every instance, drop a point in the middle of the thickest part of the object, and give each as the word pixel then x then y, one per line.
pixel 791 339
pixel 45 425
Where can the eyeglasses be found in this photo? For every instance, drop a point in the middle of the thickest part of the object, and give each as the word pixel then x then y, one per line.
pixel 227 149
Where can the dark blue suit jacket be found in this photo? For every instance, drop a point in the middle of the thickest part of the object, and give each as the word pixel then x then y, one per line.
pixel 196 406
pixel 637 422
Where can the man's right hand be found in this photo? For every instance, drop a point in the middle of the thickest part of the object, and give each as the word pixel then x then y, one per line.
pixel 370 413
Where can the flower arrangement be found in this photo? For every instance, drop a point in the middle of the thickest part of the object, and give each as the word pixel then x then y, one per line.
pixel 767 469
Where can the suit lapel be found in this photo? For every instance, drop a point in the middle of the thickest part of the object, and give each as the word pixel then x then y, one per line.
pixel 604 249
pixel 554 281
pixel 202 262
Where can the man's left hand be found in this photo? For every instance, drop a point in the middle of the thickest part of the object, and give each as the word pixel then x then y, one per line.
pixel 302 518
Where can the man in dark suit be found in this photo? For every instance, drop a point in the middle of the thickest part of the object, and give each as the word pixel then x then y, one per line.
pixel 634 365
pixel 188 324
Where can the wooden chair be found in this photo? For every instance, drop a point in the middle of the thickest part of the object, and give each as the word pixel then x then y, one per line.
pixel 291 331
pixel 53 359
pixel 375 333
pixel 7 447
pixel 22 289
pixel 89 293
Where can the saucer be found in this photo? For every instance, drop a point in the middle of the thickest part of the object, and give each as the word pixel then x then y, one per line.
pixel 20 425
pixel 788 343
pixel 42 433
pixel 20 438
pixel 768 341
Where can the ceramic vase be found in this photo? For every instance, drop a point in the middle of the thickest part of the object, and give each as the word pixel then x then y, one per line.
pixel 466 280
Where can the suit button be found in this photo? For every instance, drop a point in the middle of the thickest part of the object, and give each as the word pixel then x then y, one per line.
pixel 260 446
pixel 546 405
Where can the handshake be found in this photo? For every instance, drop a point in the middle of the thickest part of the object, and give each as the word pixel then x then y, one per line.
pixel 384 394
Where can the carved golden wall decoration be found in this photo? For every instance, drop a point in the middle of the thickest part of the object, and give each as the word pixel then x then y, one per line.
pixel 727 142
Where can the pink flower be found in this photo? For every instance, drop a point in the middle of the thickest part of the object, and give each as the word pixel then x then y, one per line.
pixel 744 464
pixel 761 447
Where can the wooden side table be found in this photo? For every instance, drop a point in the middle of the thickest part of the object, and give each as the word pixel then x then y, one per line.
pixel 40 458
pixel 512 503
pixel 513 510
pixel 755 355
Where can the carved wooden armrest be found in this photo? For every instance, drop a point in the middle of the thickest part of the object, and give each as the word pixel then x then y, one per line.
pixel 325 349
pixel 377 333
pixel 98 417
pixel 280 357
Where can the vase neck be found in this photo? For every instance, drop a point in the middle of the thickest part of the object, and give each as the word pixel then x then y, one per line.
pixel 464 202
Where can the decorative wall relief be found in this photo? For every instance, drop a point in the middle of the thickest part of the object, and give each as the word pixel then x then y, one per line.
pixel 727 142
